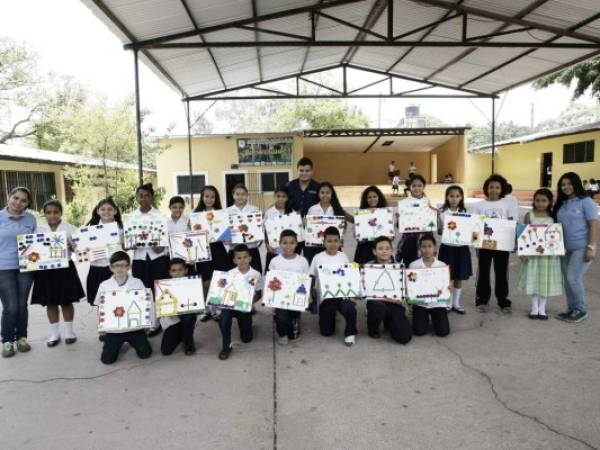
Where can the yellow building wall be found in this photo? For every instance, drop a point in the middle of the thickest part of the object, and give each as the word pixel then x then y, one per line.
pixel 20 166
pixel 451 159
pixel 478 167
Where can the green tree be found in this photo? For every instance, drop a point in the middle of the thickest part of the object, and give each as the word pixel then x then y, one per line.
pixel 482 135
pixel 586 75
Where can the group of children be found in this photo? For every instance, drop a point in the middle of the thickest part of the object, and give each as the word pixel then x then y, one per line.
pixel 539 277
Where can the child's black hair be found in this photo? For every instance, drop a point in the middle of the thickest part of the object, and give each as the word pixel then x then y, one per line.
pixel 288 233
pixel 201 206
pixel 427 237
pixel 332 231
pixel 176 199
pixel 53 202
pixel 145 187
pixel 95 220
pixel 119 256
pixel 176 262
pixel 382 239
pixel 546 193
pixel 305 162
pixel 509 188
pixel 461 204
pixel 240 248
pixel 239 186
pixel 381 202
pixel 498 179
pixel 335 203
pixel 414 177
pixel 287 209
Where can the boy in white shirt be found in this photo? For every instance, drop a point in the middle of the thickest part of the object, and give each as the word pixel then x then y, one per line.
pixel 242 260
pixel 328 307
pixel 114 340
pixel 287 323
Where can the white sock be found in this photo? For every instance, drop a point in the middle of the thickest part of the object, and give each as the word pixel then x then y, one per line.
pixel 456 297
pixel 534 305
pixel 542 306
pixel 69 333
pixel 54 332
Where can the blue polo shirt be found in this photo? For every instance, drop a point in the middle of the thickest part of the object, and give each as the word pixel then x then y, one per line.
pixel 300 199
pixel 10 226
pixel 574 215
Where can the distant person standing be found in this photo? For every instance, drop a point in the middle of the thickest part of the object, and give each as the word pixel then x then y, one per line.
pixel 412 169
pixel 391 171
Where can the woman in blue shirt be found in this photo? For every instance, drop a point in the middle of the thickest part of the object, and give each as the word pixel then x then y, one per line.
pixel 14 285
pixel 578 215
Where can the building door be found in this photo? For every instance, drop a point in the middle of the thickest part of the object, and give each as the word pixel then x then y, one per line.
pixel 231 179
pixel 546 174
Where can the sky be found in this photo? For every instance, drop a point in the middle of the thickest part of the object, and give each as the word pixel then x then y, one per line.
pixel 70 40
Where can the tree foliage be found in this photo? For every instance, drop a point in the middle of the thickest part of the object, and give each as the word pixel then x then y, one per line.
pixel 586 75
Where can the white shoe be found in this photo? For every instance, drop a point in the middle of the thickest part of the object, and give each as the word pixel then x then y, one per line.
pixel 350 340
pixel 283 340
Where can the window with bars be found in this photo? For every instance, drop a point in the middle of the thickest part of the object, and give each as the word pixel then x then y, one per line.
pixel 578 152
pixel 41 184
pixel 269 181
pixel 183 184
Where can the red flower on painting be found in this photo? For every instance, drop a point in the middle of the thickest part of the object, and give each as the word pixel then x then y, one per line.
pixel 243 228
pixel 144 235
pixel 34 257
pixel 222 282
pixel 187 243
pixel 373 222
pixel 275 284
pixel 452 226
pixel 119 311
pixel 197 227
pixel 321 234
pixel 210 216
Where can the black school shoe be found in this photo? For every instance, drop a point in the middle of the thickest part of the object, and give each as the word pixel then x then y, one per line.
pixel 375 334
pixel 190 349
pixel 225 353
pixel 542 317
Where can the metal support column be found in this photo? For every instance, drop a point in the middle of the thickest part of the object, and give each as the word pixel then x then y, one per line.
pixel 138 117
pixel 493 135
pixel 189 138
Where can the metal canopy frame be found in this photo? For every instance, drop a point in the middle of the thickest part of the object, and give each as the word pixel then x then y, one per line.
pixel 505 35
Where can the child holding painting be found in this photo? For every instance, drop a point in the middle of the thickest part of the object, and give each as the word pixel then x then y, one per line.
pixel 458 257
pixel 287 322
pixel 391 313
pixel 280 207
pixel 408 248
pixel 241 206
pixel 540 276
pixel 57 287
pixel 371 198
pixel 327 310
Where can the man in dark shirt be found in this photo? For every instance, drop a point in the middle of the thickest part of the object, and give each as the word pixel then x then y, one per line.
pixel 303 190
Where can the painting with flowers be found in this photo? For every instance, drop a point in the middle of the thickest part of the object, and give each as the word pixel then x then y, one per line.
pixel 428 286
pixel 122 310
pixel 286 290
pixel 462 228
pixel 276 225
pixel 369 224
pixel 246 228
pixel 416 215
pixel 232 291
pixel 316 226
pixel 215 223
pixel 145 231
pixel 191 246
pixel 42 251
pixel 540 240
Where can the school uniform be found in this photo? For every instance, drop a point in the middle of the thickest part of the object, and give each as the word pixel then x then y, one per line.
pixel 99 271
pixel 270 214
pixel 177 329
pixel 500 209
pixel 408 246
pixel 114 340
pixel 287 323
pixel 329 307
pixel 457 257
pixel 57 286
pixel 253 246
pixel 149 265
pixel 244 318
pixel 436 311
pixel 316 210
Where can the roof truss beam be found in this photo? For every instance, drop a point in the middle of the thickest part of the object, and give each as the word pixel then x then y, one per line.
pixel 379 132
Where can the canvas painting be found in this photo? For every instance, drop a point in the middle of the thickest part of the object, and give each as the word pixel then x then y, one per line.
pixel 286 290
pixel 95 242
pixel 339 281
pixel 145 232
pixel 416 216
pixel 383 281
pixel 463 229
pixel 429 286
pixel 231 291
pixel 275 226
pixel 216 223
pixel 540 240
pixel 191 246
pixel 316 226
pixel 499 234
pixel 370 224
pixel 125 310
pixel 176 296
pixel 246 228
pixel 42 251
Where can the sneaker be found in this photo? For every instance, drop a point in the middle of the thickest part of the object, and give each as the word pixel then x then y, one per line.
pixel 52 342
pixel 205 317
pixel 542 317
pixel 564 315
pixel 283 340
pixel 190 349
pixel 154 331
pixel 577 316
pixel 225 353
pixel 350 341
pixel 22 345
pixel 459 310
pixel 506 310
pixel 482 308
pixel 8 350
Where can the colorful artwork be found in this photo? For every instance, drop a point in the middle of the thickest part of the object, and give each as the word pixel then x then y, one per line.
pixel 125 310
pixel 276 225
pixel 383 281
pixel 316 226
pixel 499 234
pixel 540 240
pixel 286 290
pixel 369 224
pixel 191 246
pixel 231 291
pixel 341 281
pixel 95 242
pixel 463 229
pixel 145 232
pixel 176 296
pixel 42 251
pixel 416 216
pixel 429 286
pixel 216 223
pixel 246 228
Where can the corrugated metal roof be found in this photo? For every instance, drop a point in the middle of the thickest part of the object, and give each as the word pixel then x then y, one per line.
pixel 21 153
pixel 487 70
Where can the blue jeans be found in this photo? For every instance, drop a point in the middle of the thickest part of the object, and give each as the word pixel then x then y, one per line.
pixel 574 268
pixel 14 293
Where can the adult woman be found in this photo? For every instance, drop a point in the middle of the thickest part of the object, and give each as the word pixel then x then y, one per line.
pixel 14 285
pixel 578 215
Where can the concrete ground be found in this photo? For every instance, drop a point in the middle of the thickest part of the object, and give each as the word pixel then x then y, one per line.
pixel 496 382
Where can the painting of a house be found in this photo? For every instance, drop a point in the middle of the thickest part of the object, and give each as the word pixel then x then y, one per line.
pixel 231 291
pixel 176 296
pixel 125 310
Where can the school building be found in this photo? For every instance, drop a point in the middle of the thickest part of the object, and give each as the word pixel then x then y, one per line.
pixel 350 159
pixel 42 171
